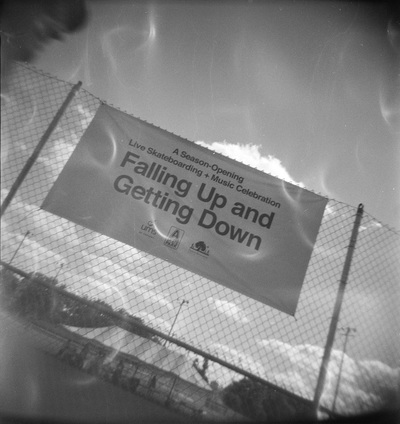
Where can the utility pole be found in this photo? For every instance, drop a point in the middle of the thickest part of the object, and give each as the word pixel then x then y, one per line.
pixel 336 309
pixel 176 317
pixel 346 337
pixel 19 246
pixel 58 272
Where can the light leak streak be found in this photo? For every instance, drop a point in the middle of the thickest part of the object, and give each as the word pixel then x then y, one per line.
pixel 390 111
pixel 122 44
pixel 329 50
pixel 389 98
pixel 84 66
pixel 192 82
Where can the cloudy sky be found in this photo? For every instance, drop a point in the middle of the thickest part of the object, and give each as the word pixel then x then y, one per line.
pixel 308 88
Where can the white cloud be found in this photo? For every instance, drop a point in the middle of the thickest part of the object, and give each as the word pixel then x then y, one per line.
pixel 155 298
pixel 229 309
pixel 294 382
pixel 103 279
pixel 250 155
pixel 54 161
pixel 364 385
pixel 371 225
pixel 126 256
pixel 85 114
pixel 238 358
pixel 28 253
pixel 4 193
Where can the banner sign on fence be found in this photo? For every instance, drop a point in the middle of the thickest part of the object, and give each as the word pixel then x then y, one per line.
pixel 211 215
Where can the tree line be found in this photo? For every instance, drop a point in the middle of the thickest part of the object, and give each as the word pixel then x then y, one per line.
pixel 39 297
pixel 264 404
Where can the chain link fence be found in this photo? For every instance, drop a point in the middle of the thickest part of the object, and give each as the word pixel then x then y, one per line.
pixel 195 332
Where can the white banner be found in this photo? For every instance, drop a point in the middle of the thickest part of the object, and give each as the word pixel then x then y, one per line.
pixel 167 196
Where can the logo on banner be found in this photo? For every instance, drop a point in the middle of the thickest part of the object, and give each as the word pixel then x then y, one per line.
pixel 148 229
pixel 174 237
pixel 200 248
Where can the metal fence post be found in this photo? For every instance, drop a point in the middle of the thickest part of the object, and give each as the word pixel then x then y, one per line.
pixel 336 311
pixel 32 159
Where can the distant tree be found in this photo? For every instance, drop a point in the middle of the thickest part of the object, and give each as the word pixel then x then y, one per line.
pixel 43 298
pixel 262 403
pixel 32 299
pixel 79 313
pixel 8 285
pixel 215 386
pixel 204 369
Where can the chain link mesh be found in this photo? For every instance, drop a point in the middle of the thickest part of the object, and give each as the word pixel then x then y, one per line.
pixel 209 320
